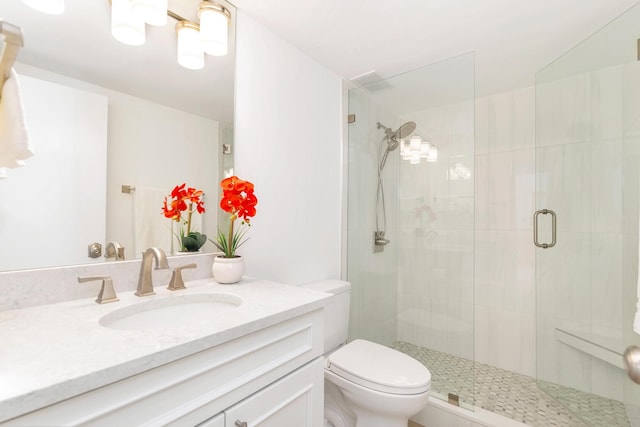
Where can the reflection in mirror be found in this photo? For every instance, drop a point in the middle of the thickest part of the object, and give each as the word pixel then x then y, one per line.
pixel 102 116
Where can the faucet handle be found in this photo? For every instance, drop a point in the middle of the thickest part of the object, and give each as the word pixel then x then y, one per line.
pixel 176 281
pixel 107 293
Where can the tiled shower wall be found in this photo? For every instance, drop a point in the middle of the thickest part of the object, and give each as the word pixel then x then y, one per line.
pixel 505 317
pixel 435 265
pixel 373 276
pixel 501 293
pixel 488 312
pixel 466 277
pixel 588 162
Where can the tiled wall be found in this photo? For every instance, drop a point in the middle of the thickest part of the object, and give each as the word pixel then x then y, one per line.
pixel 588 171
pixel 435 266
pixel 589 151
pixel 504 252
pixel 373 276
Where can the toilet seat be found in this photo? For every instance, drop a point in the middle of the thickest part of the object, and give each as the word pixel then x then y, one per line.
pixel 379 368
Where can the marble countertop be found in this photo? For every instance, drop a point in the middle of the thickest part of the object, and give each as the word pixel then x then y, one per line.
pixel 53 352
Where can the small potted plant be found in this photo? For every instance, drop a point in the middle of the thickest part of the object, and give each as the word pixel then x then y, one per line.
pixel 238 199
pixel 189 200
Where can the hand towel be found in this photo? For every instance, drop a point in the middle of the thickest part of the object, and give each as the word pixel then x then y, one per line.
pixel 151 228
pixel 14 137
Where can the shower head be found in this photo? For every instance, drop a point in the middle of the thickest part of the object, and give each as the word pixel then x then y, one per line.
pixel 402 132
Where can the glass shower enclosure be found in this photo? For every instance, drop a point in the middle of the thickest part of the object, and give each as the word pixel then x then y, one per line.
pixel 587 186
pixel 415 293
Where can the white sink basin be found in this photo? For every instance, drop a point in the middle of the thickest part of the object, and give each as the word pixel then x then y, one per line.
pixel 172 312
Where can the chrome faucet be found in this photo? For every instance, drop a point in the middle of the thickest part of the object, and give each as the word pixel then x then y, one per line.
pixel 145 282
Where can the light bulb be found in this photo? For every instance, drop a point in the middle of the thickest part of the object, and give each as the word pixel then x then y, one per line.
pixel 52 7
pixel 432 156
pixel 405 152
pixel 424 149
pixel 125 26
pixel 214 28
pixel 190 54
pixel 414 143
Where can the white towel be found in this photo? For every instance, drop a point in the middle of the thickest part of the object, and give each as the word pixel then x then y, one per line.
pixel 14 138
pixel 151 227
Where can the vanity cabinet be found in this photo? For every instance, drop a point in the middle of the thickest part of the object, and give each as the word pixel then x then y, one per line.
pixel 270 377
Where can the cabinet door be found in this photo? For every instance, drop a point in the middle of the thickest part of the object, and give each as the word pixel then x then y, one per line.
pixel 296 400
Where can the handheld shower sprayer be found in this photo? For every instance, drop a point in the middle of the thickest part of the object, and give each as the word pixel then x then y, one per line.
pixel 393 141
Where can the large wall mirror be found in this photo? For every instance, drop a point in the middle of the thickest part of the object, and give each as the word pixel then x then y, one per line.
pixel 114 128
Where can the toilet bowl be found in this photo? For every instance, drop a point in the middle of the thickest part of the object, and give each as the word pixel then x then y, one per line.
pixel 366 384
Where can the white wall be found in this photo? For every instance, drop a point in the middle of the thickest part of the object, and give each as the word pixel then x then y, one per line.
pixel 288 143
pixel 149 146
pixel 156 147
pixel 56 202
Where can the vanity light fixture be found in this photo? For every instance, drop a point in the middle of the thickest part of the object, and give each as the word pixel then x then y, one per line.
pixel 52 7
pixel 153 12
pixel 416 149
pixel 210 35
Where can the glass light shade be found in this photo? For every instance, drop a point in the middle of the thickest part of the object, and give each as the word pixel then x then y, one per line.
pixel 190 54
pixel 415 158
pixel 125 26
pixel 432 156
pixel 414 143
pixel 424 149
pixel 153 12
pixel 52 7
pixel 214 28
pixel 405 153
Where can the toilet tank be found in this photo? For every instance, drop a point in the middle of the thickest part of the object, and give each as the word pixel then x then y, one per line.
pixel 336 313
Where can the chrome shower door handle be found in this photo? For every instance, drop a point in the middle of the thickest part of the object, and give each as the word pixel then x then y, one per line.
pixel 536 215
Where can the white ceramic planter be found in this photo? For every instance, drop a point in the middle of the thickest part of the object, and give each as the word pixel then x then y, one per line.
pixel 227 270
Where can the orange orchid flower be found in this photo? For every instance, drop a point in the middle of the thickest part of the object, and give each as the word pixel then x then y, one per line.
pixel 183 199
pixel 239 200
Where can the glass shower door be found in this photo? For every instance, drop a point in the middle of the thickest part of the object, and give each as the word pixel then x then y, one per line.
pixel 586 223
pixel 416 292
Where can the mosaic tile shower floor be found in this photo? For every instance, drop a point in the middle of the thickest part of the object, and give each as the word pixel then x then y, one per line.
pixel 514 395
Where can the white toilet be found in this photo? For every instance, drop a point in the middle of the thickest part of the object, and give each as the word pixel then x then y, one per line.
pixel 366 384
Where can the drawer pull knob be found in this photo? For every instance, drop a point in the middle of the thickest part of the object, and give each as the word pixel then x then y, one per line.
pixel 241 424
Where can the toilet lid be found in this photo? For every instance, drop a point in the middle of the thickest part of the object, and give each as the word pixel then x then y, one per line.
pixel 379 368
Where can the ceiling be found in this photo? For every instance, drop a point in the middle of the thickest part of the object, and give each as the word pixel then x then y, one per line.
pixel 512 39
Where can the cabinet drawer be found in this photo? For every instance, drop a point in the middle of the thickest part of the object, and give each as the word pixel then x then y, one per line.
pixel 193 388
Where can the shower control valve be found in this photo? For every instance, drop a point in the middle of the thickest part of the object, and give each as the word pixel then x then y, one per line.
pixel 379 240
